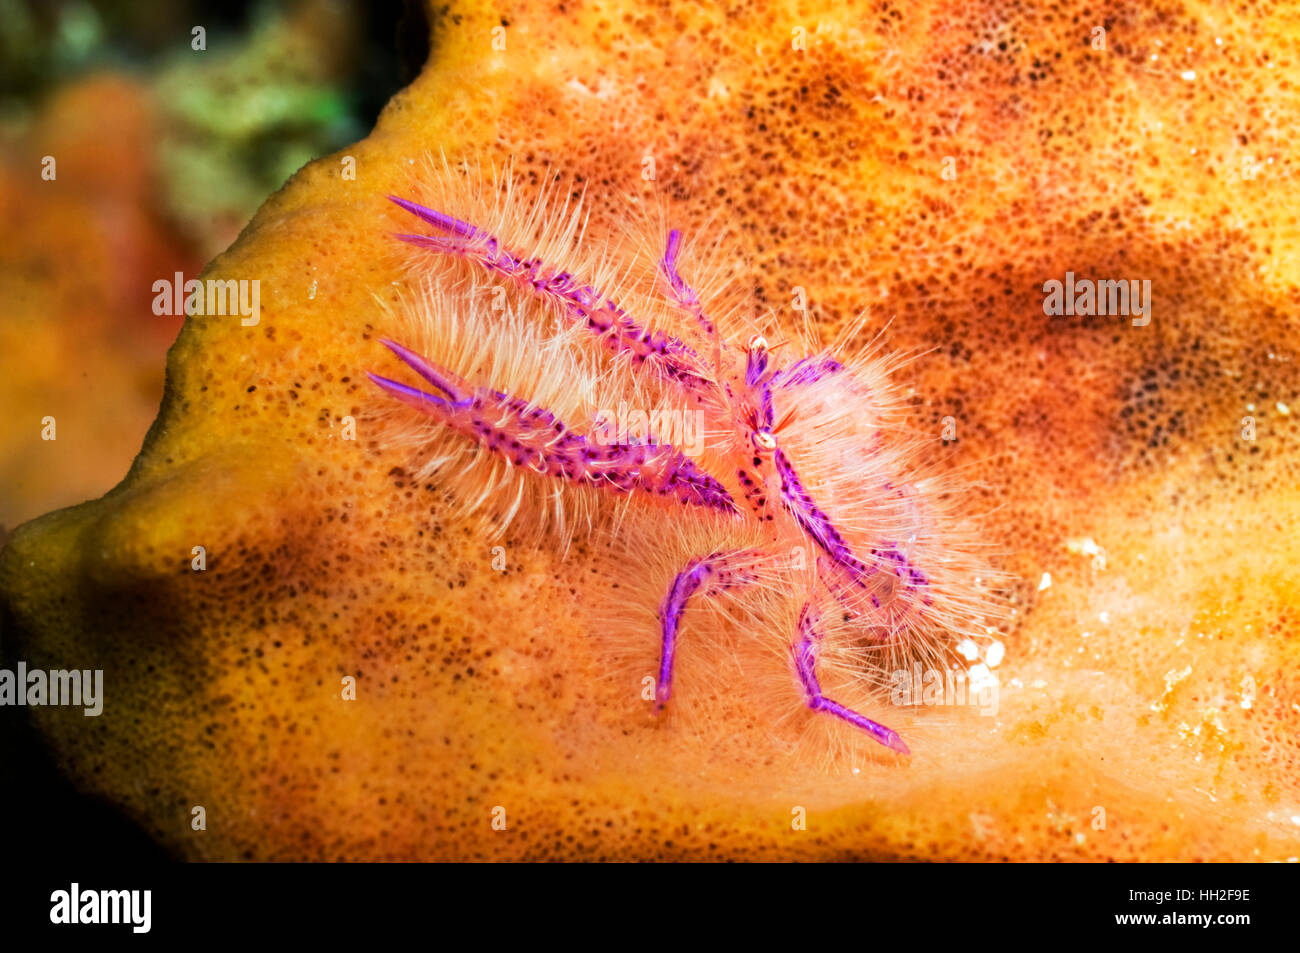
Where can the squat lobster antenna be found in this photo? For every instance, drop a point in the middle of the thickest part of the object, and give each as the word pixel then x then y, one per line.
pixel 684 297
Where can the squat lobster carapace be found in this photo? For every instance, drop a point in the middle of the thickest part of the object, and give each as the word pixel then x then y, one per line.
pixel 777 430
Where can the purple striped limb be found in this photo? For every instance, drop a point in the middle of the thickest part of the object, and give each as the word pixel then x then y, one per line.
pixel 844 590
pixel 888 569
pixel 679 292
pixel 894 558
pixel 532 437
pixel 807 370
pixel 799 502
pixel 577 302
pixel 805 663
pixel 706 576
pixel 683 296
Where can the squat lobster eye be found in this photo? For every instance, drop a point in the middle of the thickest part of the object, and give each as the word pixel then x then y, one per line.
pixel 764 440
pixel 758 344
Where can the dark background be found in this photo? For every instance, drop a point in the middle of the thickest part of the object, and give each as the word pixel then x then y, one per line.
pixel 44 815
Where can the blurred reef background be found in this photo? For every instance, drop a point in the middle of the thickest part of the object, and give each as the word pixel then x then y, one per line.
pixel 164 141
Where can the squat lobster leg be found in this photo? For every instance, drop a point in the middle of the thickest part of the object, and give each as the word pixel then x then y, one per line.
pixel 889 566
pixel 805 663
pixel 707 576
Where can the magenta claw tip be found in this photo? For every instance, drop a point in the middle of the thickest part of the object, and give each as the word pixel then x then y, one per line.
pixel 895 742
pixel 435 218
